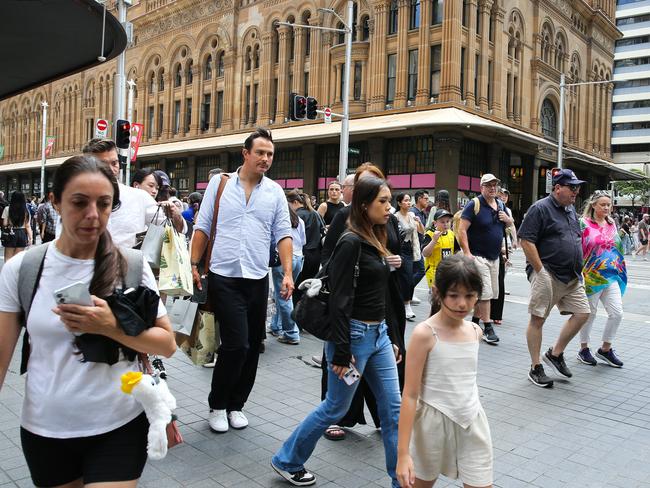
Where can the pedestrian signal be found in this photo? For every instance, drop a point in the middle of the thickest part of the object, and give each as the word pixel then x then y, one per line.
pixel 123 134
pixel 312 105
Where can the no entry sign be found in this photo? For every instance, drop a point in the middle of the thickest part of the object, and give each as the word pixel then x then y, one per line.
pixel 101 128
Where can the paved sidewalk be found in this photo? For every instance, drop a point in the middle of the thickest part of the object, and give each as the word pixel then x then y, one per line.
pixel 592 430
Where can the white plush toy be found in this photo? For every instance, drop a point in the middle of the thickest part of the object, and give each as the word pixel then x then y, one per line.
pixel 311 286
pixel 158 402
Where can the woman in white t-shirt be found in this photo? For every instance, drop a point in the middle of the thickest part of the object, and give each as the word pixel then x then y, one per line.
pixel 77 427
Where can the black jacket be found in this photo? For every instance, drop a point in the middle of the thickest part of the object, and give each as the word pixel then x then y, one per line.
pixel 314 228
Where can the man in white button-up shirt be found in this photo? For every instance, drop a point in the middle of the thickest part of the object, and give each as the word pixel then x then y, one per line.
pixel 253 212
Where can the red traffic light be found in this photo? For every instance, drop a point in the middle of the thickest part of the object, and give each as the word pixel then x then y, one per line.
pixel 123 134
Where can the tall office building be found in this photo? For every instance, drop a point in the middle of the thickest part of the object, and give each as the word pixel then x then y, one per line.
pixel 631 110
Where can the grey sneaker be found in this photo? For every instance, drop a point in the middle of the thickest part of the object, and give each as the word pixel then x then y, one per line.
pixel 557 363
pixel 538 377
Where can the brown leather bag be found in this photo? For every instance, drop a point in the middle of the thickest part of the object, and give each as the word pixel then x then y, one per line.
pixel 208 251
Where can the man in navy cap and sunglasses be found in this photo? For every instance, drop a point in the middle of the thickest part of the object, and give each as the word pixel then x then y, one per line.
pixel 552 241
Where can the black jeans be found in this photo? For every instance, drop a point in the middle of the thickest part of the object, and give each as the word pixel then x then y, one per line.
pixel 496 305
pixel 239 305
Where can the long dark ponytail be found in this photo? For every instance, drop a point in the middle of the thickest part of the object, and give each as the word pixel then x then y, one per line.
pixel 18 209
pixel 110 264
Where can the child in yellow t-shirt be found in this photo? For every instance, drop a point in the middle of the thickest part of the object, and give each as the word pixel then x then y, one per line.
pixel 439 243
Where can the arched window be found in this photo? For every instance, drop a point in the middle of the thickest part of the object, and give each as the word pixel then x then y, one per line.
pixel 152 82
pixel 177 76
pixel 256 57
pixel 161 80
pixel 306 32
pixel 414 14
pixel 547 37
pixel 220 67
pixel 189 76
pixel 548 117
pixel 247 58
pixel 207 68
pixel 341 35
pixel 365 28
pixel 276 42
pixel 392 17
pixel 292 38
pixel 559 53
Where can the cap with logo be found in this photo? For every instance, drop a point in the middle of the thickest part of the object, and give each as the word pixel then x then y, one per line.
pixel 163 177
pixel 566 177
pixel 488 178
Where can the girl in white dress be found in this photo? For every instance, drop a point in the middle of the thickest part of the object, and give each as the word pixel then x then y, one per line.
pixel 442 426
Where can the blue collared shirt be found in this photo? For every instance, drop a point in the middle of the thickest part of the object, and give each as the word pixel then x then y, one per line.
pixel 244 230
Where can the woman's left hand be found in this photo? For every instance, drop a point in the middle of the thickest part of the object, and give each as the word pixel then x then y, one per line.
pixel 98 319
pixel 398 354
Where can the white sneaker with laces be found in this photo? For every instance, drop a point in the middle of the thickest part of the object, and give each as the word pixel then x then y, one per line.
pixel 409 311
pixel 218 421
pixel 237 419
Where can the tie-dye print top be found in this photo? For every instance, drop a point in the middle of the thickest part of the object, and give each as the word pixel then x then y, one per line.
pixel 603 257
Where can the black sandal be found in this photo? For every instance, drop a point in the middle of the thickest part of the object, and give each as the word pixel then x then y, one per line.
pixel 334 433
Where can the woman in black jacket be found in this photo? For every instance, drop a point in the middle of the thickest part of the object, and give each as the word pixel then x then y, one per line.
pixel 359 344
pixel 395 316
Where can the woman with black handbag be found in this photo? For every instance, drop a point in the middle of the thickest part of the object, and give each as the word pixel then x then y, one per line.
pixel 16 227
pixel 77 427
pixel 359 343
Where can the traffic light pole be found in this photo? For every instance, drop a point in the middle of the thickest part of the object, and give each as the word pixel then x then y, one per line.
pixel 43 146
pixel 345 123
pixel 119 79
pixel 129 116
pixel 560 135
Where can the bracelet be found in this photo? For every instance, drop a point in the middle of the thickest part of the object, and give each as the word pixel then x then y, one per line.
pixel 194 264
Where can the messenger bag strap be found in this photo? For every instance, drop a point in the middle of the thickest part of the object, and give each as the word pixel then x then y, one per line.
pixel 213 228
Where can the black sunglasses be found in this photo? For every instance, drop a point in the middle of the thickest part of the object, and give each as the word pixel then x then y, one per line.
pixel 573 188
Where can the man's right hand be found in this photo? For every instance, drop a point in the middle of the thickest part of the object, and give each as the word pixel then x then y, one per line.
pixel 196 277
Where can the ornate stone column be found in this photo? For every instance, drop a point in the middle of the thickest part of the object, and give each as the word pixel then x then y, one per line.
pixel 168 108
pixel 212 127
pixel 608 125
pixel 485 8
pixel 589 114
pixel 197 93
pixel 229 89
pixel 315 88
pixel 402 54
pixel 470 66
pixel 424 54
pixel 283 78
pixel 377 72
pixel 498 66
pixel 265 92
pixel 299 61
pixel 452 35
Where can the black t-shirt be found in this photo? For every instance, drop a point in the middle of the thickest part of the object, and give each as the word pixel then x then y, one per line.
pixel 369 302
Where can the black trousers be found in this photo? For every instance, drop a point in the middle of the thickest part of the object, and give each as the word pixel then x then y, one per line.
pixel 310 267
pixel 239 305
pixel 496 305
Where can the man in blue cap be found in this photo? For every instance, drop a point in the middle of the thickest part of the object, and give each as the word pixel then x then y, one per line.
pixel 552 241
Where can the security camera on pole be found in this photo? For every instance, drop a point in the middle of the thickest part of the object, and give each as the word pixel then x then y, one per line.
pixel 345 123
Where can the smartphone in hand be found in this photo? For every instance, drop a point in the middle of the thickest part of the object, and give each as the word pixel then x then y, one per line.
pixel 74 294
pixel 352 375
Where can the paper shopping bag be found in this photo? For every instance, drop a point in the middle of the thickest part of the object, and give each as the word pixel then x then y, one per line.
pixel 175 277
pixel 182 314
pixel 152 244
pixel 201 345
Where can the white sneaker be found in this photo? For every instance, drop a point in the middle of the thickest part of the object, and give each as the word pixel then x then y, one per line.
pixel 237 419
pixel 415 300
pixel 409 311
pixel 218 421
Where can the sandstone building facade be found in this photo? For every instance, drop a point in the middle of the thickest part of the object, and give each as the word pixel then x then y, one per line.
pixel 441 91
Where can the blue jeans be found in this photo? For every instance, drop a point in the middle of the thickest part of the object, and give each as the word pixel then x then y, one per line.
pixel 374 356
pixel 418 271
pixel 282 323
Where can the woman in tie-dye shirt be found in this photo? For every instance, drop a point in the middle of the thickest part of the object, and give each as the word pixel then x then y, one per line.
pixel 604 274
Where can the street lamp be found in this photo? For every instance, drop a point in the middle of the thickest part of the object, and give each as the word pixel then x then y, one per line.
pixel 345 122
pixel 560 138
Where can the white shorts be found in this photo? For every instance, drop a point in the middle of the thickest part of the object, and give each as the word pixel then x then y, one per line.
pixel 489 277
pixel 441 446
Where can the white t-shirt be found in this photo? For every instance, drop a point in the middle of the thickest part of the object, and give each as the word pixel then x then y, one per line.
pixel 137 209
pixel 65 397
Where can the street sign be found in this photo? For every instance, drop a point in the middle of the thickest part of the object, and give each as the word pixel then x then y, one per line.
pixel 549 180
pixel 328 115
pixel 354 150
pixel 101 128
